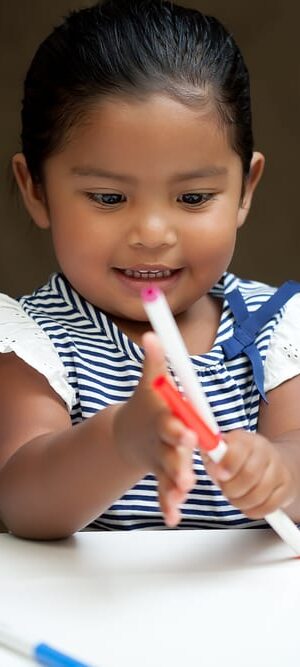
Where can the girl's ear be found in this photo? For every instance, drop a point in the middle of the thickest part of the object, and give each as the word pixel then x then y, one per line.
pixel 32 193
pixel 254 176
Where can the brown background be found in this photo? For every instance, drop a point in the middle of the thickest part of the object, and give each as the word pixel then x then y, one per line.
pixel 268 34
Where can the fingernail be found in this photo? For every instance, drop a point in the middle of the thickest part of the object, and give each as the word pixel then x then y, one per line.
pixel 223 475
pixel 172 518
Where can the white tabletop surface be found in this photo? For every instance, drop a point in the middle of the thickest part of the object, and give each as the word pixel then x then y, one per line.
pixel 155 598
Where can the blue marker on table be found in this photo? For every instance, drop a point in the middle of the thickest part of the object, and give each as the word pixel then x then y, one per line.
pixel 41 653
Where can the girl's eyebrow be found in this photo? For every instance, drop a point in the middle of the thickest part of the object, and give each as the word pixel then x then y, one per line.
pixel 97 172
pixel 205 172
pixel 101 173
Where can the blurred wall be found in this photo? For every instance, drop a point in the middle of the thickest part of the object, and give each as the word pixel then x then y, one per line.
pixel 267 32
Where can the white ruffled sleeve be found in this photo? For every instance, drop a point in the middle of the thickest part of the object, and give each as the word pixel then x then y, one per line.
pixel 283 356
pixel 21 335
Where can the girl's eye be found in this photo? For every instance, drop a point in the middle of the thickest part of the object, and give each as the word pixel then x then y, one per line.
pixel 106 199
pixel 195 198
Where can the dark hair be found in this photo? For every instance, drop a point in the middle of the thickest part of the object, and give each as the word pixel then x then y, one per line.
pixel 132 47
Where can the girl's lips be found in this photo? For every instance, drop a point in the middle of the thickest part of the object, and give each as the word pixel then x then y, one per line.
pixel 135 284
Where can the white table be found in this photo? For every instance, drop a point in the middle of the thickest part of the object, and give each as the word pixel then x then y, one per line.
pixel 156 599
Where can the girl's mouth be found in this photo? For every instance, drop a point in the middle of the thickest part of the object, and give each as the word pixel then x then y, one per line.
pixel 148 275
pixel 135 278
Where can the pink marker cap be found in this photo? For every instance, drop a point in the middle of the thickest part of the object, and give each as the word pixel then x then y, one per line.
pixel 150 294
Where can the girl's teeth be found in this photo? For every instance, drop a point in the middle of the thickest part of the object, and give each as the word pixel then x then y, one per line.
pixel 147 275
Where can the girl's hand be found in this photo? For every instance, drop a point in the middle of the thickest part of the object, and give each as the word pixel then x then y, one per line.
pixel 150 438
pixel 253 475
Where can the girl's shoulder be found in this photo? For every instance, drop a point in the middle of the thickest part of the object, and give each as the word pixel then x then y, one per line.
pixel 256 293
pixel 20 334
pixel 251 290
pixel 283 356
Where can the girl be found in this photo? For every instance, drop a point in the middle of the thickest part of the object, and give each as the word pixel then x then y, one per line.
pixel 137 153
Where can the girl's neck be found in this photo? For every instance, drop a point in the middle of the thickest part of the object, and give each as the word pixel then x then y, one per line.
pixel 198 326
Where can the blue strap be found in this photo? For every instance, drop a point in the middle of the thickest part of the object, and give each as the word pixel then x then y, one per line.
pixel 248 326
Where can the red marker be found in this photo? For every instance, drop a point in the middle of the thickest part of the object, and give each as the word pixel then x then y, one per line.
pixel 184 410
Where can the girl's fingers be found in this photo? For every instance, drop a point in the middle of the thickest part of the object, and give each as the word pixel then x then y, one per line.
pixel 169 499
pixel 155 361
pixel 263 485
pixel 278 498
pixel 175 477
pixel 242 447
pixel 250 474
pixel 175 453
pixel 239 449
pixel 173 432
pixel 177 464
pixel 258 495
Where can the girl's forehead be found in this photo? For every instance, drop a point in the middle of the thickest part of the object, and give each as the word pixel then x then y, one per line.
pixel 158 138
pixel 149 114
pixel 157 122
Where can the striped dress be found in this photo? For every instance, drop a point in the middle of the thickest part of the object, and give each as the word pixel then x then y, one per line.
pixel 104 367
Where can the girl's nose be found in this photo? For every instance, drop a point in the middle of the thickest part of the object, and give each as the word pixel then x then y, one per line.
pixel 152 231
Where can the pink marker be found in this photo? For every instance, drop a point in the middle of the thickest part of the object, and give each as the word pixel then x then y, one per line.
pixel 162 320
pixel 163 323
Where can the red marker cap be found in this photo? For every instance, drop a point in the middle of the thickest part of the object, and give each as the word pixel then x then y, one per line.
pixel 181 408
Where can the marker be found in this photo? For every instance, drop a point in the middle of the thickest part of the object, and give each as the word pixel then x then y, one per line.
pixel 182 409
pixel 162 320
pixel 41 653
pixel 163 323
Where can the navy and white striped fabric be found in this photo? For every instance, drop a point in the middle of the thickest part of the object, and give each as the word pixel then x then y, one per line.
pixel 104 367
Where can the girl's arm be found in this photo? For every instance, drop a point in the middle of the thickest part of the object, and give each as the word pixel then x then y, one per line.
pixel 60 477
pixel 55 478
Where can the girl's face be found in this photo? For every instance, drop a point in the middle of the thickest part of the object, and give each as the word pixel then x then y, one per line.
pixel 145 192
